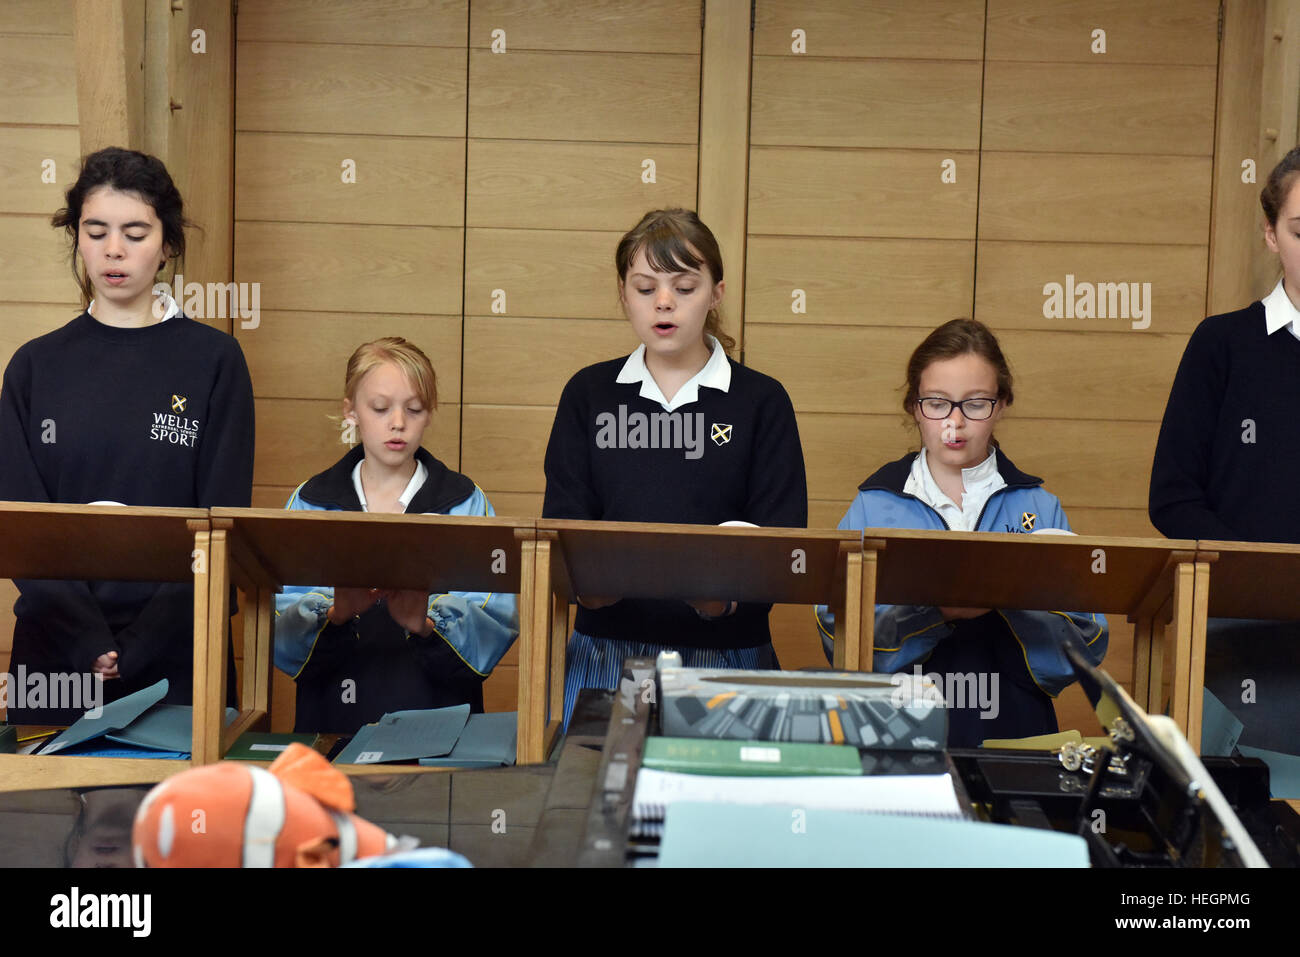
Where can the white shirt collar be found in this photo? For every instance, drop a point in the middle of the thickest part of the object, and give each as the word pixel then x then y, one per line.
pixel 979 482
pixel 413 486
pixel 716 374
pixel 163 300
pixel 1280 311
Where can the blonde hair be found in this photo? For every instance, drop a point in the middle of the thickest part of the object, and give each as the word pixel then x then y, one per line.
pixel 405 355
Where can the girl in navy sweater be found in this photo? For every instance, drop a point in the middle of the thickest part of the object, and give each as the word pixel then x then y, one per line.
pixel 130 403
pixel 1225 467
pixel 730 452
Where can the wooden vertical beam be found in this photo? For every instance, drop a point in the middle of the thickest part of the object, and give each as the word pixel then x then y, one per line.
pixel 1196 670
pixel 1182 626
pixel 534 605
pixel 157 88
pixel 109 40
pixel 1278 109
pixel 202 565
pixel 867 602
pixel 1142 632
pixel 1280 98
pixel 158 76
pixel 1238 257
pixel 210 666
pixel 848 582
pixel 200 138
pixel 723 196
pixel 1155 700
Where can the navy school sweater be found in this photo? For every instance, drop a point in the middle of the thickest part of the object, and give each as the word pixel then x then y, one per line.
pixel 160 416
pixel 728 456
pixel 1226 460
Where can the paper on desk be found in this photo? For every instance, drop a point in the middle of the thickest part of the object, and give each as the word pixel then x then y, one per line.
pixel 117 714
pixel 488 741
pixel 911 794
pixel 1220 728
pixel 720 835
pixel 406 735
pixel 1283 771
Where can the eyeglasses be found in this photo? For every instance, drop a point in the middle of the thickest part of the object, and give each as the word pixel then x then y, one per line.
pixel 974 409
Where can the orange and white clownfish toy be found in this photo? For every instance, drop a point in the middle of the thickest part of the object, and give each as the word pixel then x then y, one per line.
pixel 297 813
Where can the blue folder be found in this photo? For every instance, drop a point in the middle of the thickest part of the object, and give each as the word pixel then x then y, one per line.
pixel 138 725
pixel 112 717
pixel 488 741
pixel 406 736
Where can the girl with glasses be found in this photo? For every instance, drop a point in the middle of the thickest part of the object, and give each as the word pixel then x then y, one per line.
pixel 958 386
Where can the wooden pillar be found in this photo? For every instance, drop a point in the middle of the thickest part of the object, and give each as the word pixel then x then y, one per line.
pixel 1255 123
pixel 200 134
pixel 158 76
pixel 724 144
pixel 109 40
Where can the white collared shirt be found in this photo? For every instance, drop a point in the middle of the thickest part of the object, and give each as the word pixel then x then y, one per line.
pixel 979 482
pixel 164 299
pixel 716 374
pixel 413 486
pixel 1280 311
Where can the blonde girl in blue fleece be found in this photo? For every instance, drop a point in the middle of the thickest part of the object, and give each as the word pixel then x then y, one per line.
pixel 357 653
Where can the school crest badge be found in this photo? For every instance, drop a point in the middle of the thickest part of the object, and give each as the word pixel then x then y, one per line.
pixel 1027 520
pixel 721 434
pixel 178 403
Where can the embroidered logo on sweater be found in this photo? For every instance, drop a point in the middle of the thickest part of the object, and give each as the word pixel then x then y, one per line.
pixel 721 434
pixel 1027 520
pixel 175 429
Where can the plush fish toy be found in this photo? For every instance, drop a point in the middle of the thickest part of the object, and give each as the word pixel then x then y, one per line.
pixel 297 813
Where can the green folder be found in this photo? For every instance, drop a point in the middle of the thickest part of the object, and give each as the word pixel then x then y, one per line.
pixel 263 746
pixel 721 756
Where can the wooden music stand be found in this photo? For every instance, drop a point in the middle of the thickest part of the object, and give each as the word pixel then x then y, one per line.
pixel 1250 580
pixel 260 550
pixel 1151 581
pixel 645 560
pixel 105 542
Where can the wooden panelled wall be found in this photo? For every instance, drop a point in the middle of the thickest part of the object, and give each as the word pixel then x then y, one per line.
pixel 490 189
pixel 924 161
pixel 459 174
pixel 910 162
pixel 38 121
